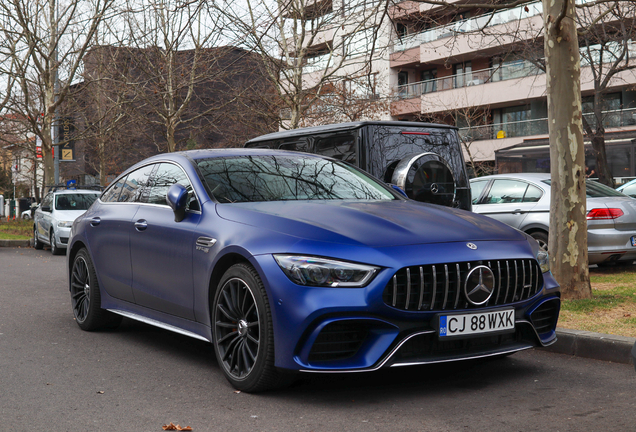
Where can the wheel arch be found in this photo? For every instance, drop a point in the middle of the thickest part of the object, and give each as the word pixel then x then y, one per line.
pixel 72 252
pixel 219 270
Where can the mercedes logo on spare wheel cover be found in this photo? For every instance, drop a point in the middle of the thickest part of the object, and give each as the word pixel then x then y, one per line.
pixel 479 286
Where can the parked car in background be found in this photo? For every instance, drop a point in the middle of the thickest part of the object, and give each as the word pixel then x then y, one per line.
pixel 424 159
pixel 52 220
pixel 294 262
pixel 628 188
pixel 523 202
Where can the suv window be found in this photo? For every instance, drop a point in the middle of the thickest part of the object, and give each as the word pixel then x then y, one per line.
pixel 167 175
pixel 341 147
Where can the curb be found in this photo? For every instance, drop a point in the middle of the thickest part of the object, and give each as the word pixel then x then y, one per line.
pixel 598 346
pixel 16 243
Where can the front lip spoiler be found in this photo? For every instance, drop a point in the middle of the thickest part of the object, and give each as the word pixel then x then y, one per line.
pixel 515 348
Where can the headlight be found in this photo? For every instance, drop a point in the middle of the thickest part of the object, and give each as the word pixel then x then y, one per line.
pixel 322 272
pixel 65 224
pixel 544 261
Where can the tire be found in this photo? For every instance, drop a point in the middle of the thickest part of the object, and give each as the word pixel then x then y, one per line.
pixel 243 331
pixel 55 250
pixel 86 297
pixel 542 238
pixel 37 244
pixel 26 217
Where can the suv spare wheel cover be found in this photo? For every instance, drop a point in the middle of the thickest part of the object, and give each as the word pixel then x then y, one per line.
pixel 426 177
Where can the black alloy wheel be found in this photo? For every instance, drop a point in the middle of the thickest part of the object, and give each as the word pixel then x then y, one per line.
pixel 542 238
pixel 37 244
pixel 86 298
pixel 243 333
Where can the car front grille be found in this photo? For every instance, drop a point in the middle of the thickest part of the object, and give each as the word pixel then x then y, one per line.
pixel 440 287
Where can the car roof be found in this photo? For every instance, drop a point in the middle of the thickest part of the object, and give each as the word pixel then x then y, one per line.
pixel 533 177
pixel 76 191
pixel 336 127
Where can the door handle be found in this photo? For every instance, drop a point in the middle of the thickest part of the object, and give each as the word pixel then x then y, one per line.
pixel 518 211
pixel 141 225
pixel 95 221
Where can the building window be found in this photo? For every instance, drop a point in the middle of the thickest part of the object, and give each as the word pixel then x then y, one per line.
pixel 429 81
pixel 463 74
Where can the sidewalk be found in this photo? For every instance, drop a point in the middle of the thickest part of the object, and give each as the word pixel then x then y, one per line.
pixel 616 349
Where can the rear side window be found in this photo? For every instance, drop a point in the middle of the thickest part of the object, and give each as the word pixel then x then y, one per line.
pixel 506 191
pixel 112 193
pixel 476 189
pixel 167 175
pixel 135 188
pixel 341 147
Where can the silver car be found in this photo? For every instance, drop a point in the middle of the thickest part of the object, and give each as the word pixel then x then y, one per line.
pixel 523 201
pixel 53 219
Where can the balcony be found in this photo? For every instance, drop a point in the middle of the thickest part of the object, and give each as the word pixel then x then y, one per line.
pixel 611 119
pixel 468 25
pixel 504 72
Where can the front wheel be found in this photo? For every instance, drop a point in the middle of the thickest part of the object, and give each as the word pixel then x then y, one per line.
pixel 55 250
pixel 243 331
pixel 542 238
pixel 86 298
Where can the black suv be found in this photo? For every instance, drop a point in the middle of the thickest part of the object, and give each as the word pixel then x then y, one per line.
pixel 423 159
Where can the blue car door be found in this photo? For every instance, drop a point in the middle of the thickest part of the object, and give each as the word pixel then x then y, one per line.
pixel 161 249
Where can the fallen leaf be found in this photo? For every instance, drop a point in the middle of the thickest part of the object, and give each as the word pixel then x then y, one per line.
pixel 173 426
pixel 100 392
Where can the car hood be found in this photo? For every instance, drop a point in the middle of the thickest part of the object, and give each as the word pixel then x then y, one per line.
pixel 375 224
pixel 67 215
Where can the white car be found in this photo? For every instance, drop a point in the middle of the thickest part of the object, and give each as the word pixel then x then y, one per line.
pixel 53 219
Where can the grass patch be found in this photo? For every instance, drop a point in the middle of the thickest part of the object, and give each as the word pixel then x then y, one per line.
pixel 16 230
pixel 612 309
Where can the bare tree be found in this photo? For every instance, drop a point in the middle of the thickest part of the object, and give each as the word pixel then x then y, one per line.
pixel 308 48
pixel 41 52
pixel 606 35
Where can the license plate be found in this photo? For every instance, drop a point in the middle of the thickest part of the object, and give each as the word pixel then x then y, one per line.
pixel 477 323
pixel 633 239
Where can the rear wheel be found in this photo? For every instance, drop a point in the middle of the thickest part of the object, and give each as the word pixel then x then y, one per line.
pixel 542 238
pixel 37 244
pixel 86 298
pixel 243 331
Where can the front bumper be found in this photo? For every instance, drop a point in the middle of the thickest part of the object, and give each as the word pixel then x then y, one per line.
pixel 353 329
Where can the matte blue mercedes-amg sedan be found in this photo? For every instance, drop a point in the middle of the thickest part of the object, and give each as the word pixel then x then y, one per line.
pixel 291 262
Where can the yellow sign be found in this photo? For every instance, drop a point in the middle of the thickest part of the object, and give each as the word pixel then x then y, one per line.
pixel 67 154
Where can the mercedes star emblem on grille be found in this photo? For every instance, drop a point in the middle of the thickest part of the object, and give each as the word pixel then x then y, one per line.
pixel 480 284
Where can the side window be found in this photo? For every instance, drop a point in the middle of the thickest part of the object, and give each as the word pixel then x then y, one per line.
pixel 47 201
pixel 341 147
pixel 506 191
pixel 301 146
pixel 167 175
pixel 476 188
pixel 533 194
pixel 630 190
pixel 112 193
pixel 135 187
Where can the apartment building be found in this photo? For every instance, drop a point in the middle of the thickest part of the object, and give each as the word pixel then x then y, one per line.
pixel 482 71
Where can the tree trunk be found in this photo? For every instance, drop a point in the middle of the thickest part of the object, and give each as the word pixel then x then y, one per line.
pixel 568 225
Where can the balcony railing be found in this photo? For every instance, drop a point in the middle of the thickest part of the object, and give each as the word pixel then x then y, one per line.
pixel 467 25
pixel 500 73
pixel 611 119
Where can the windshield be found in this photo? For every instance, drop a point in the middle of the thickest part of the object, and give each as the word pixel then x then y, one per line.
pixel 284 178
pixel 74 201
pixel 597 190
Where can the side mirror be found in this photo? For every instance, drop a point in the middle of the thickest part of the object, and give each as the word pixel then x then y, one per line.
pixel 46 209
pixel 177 198
pixel 399 190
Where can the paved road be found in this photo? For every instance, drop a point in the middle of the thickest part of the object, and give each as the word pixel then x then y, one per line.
pixel 54 377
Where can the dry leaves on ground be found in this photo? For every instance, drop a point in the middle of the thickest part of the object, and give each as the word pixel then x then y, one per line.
pixel 175 427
